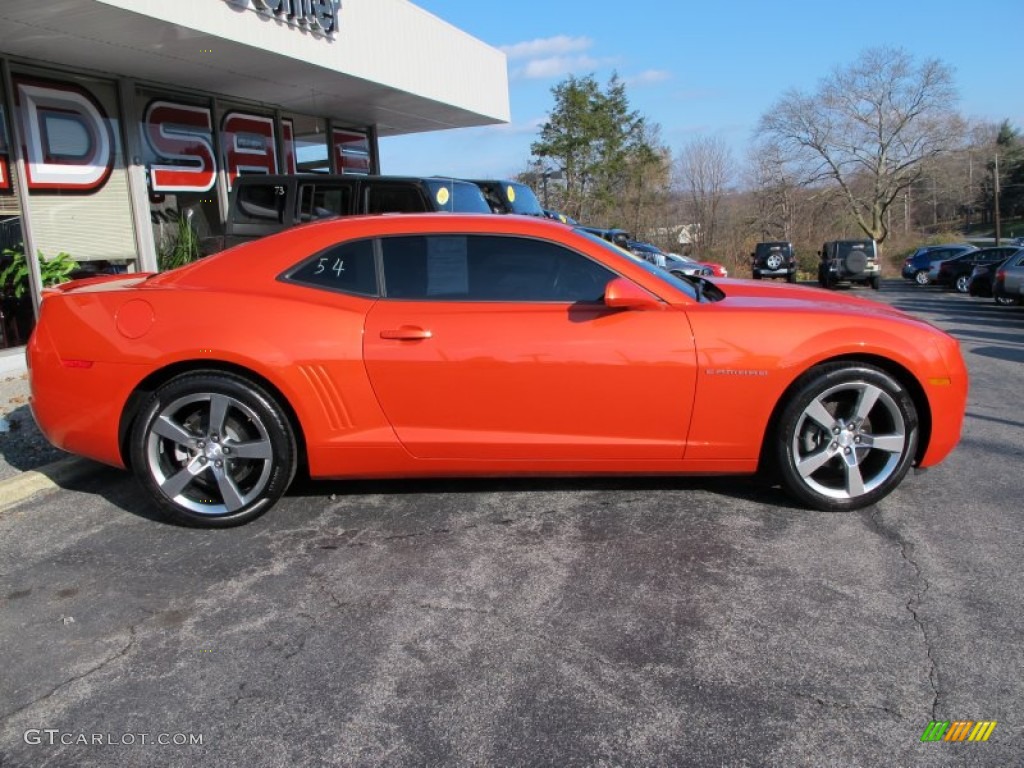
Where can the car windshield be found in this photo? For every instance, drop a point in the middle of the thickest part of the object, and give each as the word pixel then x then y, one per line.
pixel 676 282
pixel 523 200
pixel 458 196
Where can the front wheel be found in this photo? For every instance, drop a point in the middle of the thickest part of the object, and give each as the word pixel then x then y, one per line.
pixel 921 277
pixel 875 283
pixel 963 283
pixel 847 436
pixel 213 450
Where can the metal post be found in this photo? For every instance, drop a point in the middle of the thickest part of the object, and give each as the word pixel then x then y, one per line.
pixel 138 193
pixel 995 197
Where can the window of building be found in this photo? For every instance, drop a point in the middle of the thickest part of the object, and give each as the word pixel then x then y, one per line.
pixel 181 172
pixel 16 316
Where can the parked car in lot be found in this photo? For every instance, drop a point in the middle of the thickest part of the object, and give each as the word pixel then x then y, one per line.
pixel 619 237
pixel 717 270
pixel 261 205
pixel 1008 287
pixel 559 216
pixel 917 266
pixel 686 267
pixel 982 283
pixel 849 261
pixel 449 344
pixel 774 259
pixel 955 273
pixel 648 252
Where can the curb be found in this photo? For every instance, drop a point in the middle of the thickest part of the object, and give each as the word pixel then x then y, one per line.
pixel 23 486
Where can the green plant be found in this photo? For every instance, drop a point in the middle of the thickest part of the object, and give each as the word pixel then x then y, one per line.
pixel 53 271
pixel 182 247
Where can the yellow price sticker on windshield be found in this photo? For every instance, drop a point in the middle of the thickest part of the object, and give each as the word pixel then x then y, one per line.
pixel 442 196
pixel 511 194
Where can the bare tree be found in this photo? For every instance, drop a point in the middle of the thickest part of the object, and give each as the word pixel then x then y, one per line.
pixel 773 192
pixel 870 128
pixel 705 169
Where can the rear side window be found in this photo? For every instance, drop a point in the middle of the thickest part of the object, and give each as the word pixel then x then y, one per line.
pixel 260 203
pixel 489 268
pixel 394 198
pixel 324 201
pixel 346 267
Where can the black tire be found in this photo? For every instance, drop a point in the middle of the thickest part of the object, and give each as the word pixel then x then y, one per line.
pixel 757 275
pixel 921 277
pixel 875 283
pixel 962 283
pixel 791 277
pixel 213 477
pixel 831 466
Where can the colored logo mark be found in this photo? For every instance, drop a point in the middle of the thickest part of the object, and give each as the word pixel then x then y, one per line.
pixel 958 730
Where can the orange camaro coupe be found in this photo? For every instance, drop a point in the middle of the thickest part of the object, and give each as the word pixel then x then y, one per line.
pixel 455 345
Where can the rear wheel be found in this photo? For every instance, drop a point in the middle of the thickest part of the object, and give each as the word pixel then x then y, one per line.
pixel 847 436
pixel 213 450
pixel 875 282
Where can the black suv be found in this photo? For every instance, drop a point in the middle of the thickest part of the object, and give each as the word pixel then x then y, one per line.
pixel 264 204
pixel 852 261
pixel 774 259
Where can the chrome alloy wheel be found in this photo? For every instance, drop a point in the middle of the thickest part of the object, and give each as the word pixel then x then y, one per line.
pixel 849 440
pixel 209 453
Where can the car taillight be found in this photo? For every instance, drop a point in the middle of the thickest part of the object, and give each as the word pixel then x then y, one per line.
pixel 1001 275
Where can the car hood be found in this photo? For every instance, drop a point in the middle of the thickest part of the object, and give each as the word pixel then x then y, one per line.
pixel 757 295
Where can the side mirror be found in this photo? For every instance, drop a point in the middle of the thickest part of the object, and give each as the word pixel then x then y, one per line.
pixel 621 293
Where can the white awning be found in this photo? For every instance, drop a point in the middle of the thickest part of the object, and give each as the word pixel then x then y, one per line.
pixel 389 64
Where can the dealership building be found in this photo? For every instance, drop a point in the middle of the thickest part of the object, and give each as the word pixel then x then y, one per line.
pixel 120 117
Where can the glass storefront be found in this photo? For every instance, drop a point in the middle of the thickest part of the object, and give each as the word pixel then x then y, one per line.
pixel 16 316
pixel 79 191
pixel 181 174
pixel 79 201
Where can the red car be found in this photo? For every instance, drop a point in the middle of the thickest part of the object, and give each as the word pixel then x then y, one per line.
pixel 454 345
pixel 717 270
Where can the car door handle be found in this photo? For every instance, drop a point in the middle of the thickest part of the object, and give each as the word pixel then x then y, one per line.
pixel 406 333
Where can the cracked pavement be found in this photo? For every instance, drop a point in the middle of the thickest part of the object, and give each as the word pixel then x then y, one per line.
pixel 537 622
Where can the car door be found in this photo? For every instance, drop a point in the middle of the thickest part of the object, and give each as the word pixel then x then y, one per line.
pixel 493 347
pixel 1013 282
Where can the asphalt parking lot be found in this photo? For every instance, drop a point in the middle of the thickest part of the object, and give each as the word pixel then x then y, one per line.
pixel 524 622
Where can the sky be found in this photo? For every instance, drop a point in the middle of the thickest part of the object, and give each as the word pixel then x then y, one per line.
pixel 707 69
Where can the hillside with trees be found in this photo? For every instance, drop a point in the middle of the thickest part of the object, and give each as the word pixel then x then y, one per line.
pixel 877 150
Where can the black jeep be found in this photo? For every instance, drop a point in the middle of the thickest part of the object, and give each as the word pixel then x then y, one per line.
pixel 774 259
pixel 852 261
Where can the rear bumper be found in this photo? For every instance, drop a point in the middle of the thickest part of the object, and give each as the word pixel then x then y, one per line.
pixel 78 409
